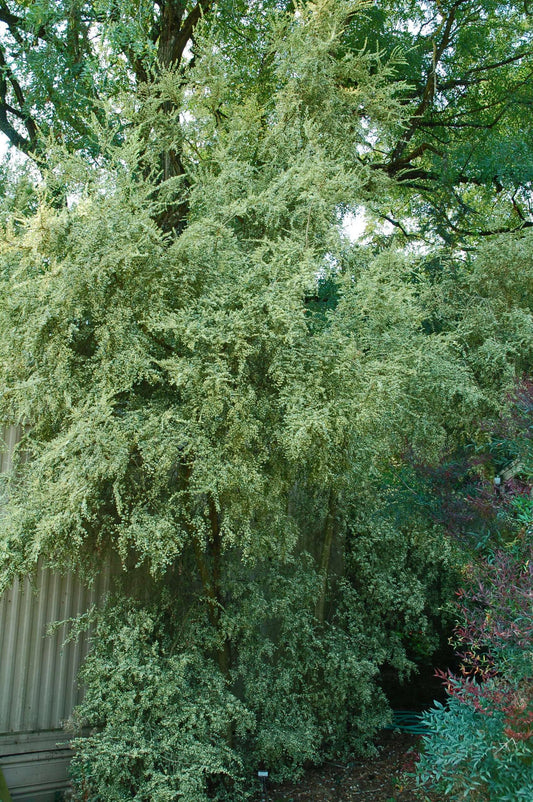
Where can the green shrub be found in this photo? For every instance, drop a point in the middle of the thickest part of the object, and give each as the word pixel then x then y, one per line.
pixel 166 721
pixel 161 717
pixel 469 756
pixel 481 745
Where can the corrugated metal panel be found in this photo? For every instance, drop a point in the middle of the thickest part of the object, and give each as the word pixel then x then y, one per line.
pixel 11 435
pixel 35 765
pixel 38 672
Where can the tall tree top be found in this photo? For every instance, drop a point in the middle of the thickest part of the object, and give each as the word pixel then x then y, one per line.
pixel 462 156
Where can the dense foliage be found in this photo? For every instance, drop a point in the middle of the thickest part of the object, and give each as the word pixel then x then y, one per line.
pixel 461 155
pixel 481 743
pixel 224 393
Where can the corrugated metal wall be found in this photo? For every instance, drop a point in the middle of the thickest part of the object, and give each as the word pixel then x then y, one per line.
pixel 11 435
pixel 37 673
pixel 38 688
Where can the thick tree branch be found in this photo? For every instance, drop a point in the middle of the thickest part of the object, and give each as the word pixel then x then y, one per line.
pixel 12 134
pixel 466 80
pixel 398 164
pixel 325 557
pixel 8 17
pixel 397 224
pixel 517 208
pixel 406 160
pixel 17 29
pixel 26 144
pixel 176 33
pixel 430 85
pixel 488 232
pixel 189 25
pixel 405 173
pixel 137 65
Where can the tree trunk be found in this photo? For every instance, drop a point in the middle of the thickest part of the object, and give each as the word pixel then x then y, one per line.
pixel 325 558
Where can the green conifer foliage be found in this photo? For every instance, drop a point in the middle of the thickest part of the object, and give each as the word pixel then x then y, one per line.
pixel 174 386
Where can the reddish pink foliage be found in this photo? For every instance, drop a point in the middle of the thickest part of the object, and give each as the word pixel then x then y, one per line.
pixel 495 638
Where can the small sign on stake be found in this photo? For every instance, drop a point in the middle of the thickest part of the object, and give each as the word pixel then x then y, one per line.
pixel 263 777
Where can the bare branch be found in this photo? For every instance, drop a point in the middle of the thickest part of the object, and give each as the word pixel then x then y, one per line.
pixel 396 224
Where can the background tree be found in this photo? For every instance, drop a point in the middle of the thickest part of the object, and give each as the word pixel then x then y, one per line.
pixel 465 149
